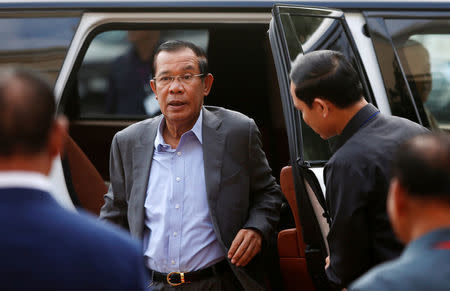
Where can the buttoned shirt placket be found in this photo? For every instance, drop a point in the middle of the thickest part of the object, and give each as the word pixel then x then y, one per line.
pixel 176 206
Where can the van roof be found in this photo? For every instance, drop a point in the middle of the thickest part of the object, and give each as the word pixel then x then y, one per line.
pixel 112 5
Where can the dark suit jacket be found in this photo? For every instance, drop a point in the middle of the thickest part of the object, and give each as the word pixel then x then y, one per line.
pixel 43 247
pixel 241 191
pixel 357 179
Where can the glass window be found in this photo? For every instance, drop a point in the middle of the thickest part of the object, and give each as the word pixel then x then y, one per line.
pixel 309 33
pixel 114 77
pixel 421 47
pixel 39 43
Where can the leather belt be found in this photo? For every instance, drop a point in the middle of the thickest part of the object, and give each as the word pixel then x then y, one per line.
pixel 178 278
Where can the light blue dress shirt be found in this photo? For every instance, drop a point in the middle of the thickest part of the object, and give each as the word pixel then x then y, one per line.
pixel 179 234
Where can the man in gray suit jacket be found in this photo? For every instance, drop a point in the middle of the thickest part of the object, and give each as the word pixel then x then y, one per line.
pixel 193 183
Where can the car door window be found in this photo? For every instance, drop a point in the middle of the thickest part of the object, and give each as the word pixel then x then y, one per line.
pixel 305 33
pixel 39 43
pixel 420 46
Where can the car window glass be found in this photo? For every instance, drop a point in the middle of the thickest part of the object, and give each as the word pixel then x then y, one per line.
pixel 421 48
pixel 39 43
pixel 114 77
pixel 305 34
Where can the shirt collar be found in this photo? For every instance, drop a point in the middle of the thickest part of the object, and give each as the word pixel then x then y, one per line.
pixel 429 240
pixel 24 179
pixel 364 115
pixel 161 145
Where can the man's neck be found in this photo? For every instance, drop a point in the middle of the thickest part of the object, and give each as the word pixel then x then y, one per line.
pixel 173 131
pixel 30 163
pixel 432 216
pixel 343 116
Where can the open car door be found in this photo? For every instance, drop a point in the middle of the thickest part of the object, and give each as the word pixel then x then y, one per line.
pixel 297 30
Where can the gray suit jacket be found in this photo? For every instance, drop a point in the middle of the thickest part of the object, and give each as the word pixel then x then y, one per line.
pixel 242 193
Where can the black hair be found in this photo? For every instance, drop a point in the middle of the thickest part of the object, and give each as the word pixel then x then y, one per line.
pixel 27 107
pixel 177 45
pixel 422 165
pixel 326 74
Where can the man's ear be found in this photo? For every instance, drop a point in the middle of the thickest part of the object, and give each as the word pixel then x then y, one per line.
pixel 399 211
pixel 153 85
pixel 57 137
pixel 207 84
pixel 322 105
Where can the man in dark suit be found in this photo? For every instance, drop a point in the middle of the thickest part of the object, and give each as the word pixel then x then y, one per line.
pixel 42 245
pixel 327 90
pixel 193 183
pixel 419 209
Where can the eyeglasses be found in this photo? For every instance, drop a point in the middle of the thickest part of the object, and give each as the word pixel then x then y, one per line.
pixel 185 79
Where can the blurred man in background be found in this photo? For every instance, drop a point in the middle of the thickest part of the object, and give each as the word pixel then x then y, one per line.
pixel 129 90
pixel 42 245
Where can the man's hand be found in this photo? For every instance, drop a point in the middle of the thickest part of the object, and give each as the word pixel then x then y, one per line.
pixel 245 246
pixel 327 262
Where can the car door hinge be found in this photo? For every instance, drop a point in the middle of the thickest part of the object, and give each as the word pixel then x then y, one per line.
pixel 310 164
pixel 303 164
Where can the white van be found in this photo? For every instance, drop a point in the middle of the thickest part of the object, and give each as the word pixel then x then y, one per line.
pixel 401 49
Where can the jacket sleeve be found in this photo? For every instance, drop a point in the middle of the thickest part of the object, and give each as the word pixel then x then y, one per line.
pixel 265 194
pixel 115 207
pixel 348 239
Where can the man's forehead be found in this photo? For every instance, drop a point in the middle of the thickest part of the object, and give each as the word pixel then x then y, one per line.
pixel 178 60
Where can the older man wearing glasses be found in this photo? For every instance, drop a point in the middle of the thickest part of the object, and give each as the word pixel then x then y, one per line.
pixel 193 183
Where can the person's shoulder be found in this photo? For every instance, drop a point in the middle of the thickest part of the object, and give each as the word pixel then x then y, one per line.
pixel 411 271
pixel 382 277
pixel 231 120
pixel 72 249
pixel 376 141
pixel 227 114
pixel 403 125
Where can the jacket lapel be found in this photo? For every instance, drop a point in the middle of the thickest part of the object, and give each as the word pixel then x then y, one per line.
pixel 213 147
pixel 142 162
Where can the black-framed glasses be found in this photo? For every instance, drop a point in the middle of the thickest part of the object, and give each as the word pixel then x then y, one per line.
pixel 187 78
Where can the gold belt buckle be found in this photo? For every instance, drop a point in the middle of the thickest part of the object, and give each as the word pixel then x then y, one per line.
pixel 175 284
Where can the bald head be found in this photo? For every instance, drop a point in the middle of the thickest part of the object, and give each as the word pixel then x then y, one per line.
pixel 27 109
pixel 422 166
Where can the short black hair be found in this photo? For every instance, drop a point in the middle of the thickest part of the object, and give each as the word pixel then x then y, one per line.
pixel 326 74
pixel 27 107
pixel 177 45
pixel 422 165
